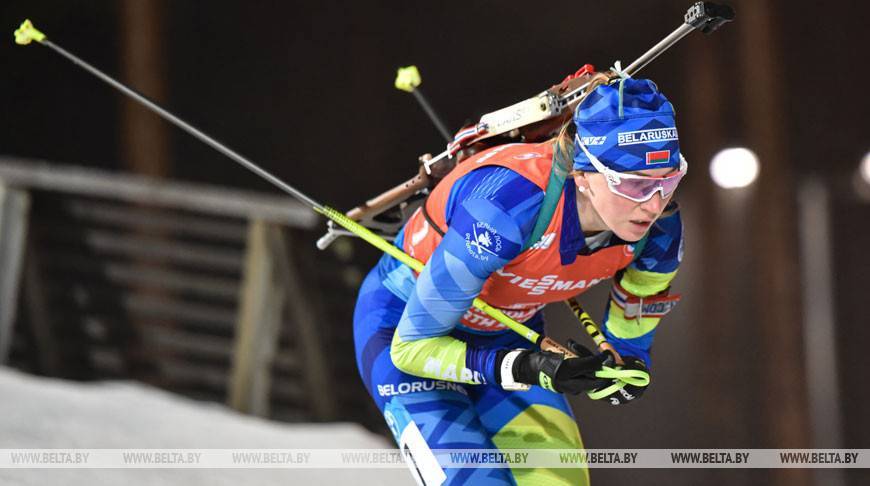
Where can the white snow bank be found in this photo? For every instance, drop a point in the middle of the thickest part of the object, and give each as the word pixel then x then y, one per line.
pixel 41 413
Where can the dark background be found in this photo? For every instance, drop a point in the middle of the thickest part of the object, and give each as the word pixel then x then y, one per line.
pixel 305 89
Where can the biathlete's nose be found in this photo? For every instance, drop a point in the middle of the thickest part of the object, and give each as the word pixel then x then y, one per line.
pixel 654 204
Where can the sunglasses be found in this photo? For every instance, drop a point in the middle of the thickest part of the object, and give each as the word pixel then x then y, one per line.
pixel 637 188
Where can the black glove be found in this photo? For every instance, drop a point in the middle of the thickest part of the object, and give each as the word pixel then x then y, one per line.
pixel 628 393
pixel 551 371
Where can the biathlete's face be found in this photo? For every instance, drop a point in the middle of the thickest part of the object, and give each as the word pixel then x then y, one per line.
pixel 628 219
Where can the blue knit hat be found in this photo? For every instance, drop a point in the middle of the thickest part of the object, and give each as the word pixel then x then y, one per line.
pixel 629 126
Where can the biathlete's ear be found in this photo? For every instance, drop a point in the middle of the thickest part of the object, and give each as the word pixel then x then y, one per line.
pixel 581 181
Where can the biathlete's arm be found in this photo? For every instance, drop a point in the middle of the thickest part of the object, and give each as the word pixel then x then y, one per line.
pixel 649 274
pixel 490 213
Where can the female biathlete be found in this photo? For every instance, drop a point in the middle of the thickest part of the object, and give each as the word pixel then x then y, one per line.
pixel 446 375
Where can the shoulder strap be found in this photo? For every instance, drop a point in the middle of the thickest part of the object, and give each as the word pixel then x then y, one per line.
pixel 555 185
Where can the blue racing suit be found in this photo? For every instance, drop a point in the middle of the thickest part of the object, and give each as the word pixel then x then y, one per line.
pixel 430 364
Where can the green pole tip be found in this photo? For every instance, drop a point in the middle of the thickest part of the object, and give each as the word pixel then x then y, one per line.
pixel 27 33
pixel 408 78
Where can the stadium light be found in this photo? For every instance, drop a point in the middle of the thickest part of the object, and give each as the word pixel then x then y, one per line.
pixel 864 169
pixel 733 168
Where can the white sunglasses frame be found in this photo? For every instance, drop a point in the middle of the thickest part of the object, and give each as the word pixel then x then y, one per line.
pixel 613 177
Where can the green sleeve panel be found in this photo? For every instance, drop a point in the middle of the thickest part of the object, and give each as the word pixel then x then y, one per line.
pixel 438 358
pixel 641 284
pixel 624 328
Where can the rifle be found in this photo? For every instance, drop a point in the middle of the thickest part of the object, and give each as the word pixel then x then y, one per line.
pixel 532 120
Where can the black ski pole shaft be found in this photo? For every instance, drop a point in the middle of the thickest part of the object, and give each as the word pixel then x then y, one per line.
pixel 187 127
pixel 432 115
pixel 408 79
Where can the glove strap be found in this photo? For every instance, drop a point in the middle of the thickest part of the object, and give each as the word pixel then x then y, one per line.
pixel 507 372
pixel 621 377
pixel 606 391
pixel 632 377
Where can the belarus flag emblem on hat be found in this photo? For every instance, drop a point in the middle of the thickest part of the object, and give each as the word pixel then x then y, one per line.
pixel 658 157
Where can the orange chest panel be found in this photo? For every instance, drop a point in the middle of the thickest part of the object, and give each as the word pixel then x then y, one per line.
pixel 536 276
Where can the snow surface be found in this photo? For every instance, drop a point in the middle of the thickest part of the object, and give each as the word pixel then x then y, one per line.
pixel 44 413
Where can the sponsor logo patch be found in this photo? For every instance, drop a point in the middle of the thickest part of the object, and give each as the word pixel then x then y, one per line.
pixel 433 367
pixel 647 136
pixel 547 283
pixel 478 320
pixel 390 389
pixel 483 241
pixel 587 141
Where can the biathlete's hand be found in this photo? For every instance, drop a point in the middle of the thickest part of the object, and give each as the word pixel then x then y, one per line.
pixel 551 371
pixel 627 393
